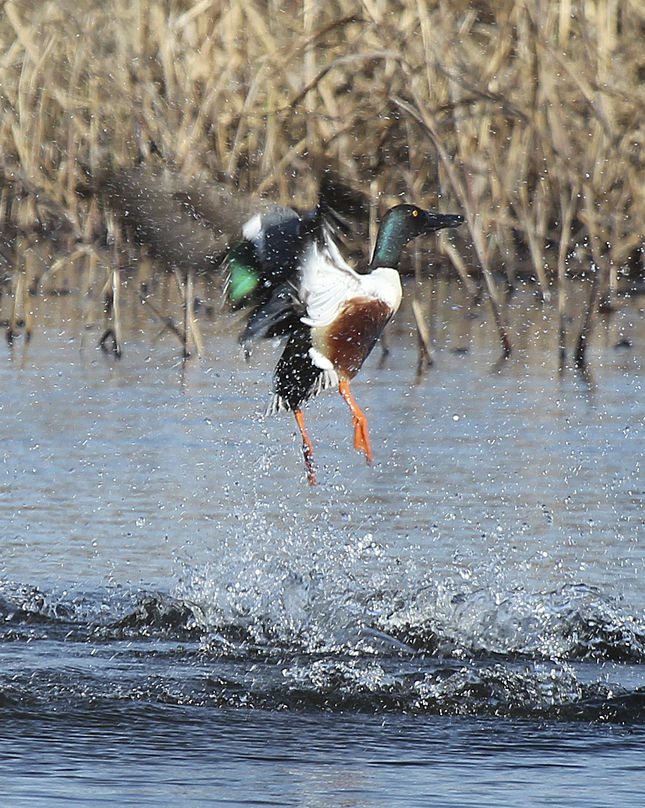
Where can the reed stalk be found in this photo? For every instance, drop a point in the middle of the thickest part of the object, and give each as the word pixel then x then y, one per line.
pixel 502 110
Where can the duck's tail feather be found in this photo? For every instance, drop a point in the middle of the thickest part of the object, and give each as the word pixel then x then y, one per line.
pixel 297 377
pixel 324 380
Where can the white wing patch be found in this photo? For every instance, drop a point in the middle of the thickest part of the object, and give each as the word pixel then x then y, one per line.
pixel 327 282
pixel 253 227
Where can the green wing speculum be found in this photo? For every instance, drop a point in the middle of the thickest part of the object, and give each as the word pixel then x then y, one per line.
pixel 244 274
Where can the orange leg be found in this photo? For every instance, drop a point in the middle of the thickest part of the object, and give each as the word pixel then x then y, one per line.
pixel 307 448
pixel 361 436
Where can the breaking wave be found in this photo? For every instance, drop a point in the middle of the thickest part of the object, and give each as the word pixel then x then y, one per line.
pixel 256 631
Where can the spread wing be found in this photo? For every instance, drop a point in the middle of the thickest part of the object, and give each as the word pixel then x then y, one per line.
pixel 327 281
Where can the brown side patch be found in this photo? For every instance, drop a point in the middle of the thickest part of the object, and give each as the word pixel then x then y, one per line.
pixel 348 341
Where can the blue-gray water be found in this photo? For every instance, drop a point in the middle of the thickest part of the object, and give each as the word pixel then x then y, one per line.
pixel 186 622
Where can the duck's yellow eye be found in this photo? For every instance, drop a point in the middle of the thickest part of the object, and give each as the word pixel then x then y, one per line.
pixel 415 212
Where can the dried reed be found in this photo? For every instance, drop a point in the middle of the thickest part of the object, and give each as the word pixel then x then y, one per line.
pixel 527 114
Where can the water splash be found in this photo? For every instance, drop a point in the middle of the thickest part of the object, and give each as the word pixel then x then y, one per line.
pixel 357 598
pixel 573 622
pixel 344 627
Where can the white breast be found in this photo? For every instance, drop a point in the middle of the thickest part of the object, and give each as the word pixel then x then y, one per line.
pixel 383 284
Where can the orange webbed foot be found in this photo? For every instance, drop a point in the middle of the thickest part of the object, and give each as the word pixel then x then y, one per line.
pixel 362 438
pixel 361 435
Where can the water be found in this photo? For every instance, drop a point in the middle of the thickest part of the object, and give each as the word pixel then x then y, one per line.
pixel 186 622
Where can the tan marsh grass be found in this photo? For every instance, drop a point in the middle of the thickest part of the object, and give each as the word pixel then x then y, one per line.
pixel 527 116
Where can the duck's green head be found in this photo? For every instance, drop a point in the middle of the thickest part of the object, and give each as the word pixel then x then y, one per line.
pixel 400 225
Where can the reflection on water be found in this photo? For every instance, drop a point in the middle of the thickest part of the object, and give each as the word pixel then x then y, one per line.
pixel 164 560
pixel 249 758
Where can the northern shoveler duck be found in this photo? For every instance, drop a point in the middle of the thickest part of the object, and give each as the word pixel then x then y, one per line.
pixel 289 270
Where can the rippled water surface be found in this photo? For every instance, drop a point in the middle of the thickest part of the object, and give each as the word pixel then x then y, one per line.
pixel 186 622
